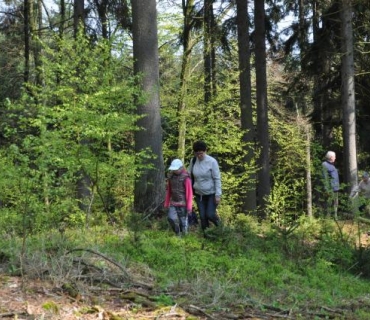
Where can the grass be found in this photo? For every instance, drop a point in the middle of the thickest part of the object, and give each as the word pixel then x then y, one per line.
pixel 254 265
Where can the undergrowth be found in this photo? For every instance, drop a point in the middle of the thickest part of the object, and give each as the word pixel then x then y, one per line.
pixel 311 265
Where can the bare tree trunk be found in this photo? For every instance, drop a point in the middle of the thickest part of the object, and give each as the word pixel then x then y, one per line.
pixel 84 183
pixel 102 7
pixel 308 170
pixel 26 14
pixel 348 97
pixel 149 187
pixel 323 114
pixel 35 32
pixel 250 197
pixel 263 139
pixel 302 39
pixel 78 15
pixel 207 50
pixel 62 18
pixel 187 48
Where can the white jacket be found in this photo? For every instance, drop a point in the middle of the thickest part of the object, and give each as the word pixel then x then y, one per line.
pixel 207 176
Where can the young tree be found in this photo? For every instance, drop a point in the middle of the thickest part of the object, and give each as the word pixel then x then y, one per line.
pixel 149 187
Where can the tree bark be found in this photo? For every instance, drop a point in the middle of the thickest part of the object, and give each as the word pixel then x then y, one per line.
pixel 250 199
pixel 26 14
pixel 307 127
pixel 208 48
pixel 149 187
pixel 78 15
pixel 102 8
pixel 348 97
pixel 35 32
pixel 187 48
pixel 262 110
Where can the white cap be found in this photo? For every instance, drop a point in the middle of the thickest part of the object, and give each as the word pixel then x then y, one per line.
pixel 175 165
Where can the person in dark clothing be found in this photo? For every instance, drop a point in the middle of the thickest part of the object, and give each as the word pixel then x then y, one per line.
pixel 331 184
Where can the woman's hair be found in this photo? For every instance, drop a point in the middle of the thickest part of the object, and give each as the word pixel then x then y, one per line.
pixel 199 146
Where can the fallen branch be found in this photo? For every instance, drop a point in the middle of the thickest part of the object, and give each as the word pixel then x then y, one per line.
pixel 13 314
pixel 362 219
pixel 201 311
pixel 102 256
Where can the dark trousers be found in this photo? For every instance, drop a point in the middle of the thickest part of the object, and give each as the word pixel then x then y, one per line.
pixel 331 204
pixel 207 210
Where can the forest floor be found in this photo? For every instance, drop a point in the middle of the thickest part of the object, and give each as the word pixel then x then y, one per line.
pixel 23 298
pixel 36 299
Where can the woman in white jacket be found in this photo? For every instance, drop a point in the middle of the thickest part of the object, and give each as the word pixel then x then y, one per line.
pixel 206 178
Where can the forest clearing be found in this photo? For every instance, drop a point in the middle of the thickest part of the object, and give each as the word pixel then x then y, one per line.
pixel 256 111
pixel 138 297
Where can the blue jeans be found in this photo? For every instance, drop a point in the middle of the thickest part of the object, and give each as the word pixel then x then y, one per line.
pixel 207 210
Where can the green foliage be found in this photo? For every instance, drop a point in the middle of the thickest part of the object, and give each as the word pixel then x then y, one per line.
pixel 51 306
pixel 250 264
pixel 287 198
pixel 164 300
pixel 216 124
pixel 80 122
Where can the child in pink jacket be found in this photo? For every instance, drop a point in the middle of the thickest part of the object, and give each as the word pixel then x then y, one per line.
pixel 179 197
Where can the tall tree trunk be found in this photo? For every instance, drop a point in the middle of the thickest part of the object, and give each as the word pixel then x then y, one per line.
pixel 84 183
pixel 35 31
pixel 62 10
pixel 149 187
pixel 303 42
pixel 213 53
pixel 348 97
pixel 78 15
pixel 102 8
pixel 207 50
pixel 262 109
pixel 250 199
pixel 62 6
pixel 302 38
pixel 307 127
pixel 187 48
pixel 26 14
pixel 316 116
pixel 323 115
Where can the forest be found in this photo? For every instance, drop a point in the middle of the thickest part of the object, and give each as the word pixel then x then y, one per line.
pixel 97 98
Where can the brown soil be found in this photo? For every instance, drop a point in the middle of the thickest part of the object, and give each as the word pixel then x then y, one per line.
pixel 359 231
pixel 39 300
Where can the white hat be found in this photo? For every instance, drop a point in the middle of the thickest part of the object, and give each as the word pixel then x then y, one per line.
pixel 175 165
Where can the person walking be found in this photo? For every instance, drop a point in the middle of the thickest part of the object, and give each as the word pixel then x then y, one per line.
pixel 179 197
pixel 331 184
pixel 206 179
pixel 363 190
